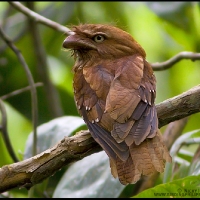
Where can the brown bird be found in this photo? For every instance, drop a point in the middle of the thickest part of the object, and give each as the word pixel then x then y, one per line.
pixel 114 89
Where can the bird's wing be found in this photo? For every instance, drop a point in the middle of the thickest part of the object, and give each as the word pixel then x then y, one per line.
pixel 92 109
pixel 130 102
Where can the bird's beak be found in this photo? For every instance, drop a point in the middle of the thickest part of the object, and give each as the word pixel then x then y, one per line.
pixel 75 41
pixel 70 41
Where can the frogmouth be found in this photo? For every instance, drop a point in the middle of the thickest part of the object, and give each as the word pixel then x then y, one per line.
pixel 114 90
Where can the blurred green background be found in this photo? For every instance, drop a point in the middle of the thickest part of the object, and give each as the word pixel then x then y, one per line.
pixel 162 28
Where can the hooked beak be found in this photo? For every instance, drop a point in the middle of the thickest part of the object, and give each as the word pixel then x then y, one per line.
pixel 76 41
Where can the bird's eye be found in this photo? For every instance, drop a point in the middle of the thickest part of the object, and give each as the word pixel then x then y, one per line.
pixel 99 38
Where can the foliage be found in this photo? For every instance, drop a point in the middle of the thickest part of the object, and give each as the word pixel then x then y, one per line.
pixel 182 188
pixel 162 28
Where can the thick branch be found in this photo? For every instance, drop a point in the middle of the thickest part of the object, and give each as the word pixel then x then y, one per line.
pixel 34 170
pixel 179 106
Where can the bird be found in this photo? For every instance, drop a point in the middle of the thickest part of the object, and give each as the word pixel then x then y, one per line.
pixel 114 91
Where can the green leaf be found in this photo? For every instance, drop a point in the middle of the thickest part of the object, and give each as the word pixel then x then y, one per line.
pixel 178 143
pixel 196 170
pixel 89 178
pixel 174 150
pixel 51 132
pixel 185 187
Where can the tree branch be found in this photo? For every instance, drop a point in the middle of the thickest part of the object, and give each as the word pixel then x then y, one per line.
pixel 172 61
pixel 179 106
pixel 40 19
pixel 30 81
pixel 35 169
pixel 16 92
pixel 53 100
pixel 5 135
pixel 15 39
pixel 3 126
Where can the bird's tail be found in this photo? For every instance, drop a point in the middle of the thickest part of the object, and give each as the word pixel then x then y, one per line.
pixel 144 159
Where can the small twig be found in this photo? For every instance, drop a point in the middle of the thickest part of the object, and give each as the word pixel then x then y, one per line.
pixel 31 83
pixel 40 19
pixel 169 63
pixel 17 37
pixel 16 92
pixel 3 129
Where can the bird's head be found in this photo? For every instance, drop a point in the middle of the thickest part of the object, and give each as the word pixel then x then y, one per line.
pixel 101 41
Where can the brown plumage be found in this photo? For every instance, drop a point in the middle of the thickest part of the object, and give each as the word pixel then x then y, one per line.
pixel 115 89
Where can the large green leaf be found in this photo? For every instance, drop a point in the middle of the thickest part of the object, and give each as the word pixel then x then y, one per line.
pixel 51 132
pixel 89 178
pixel 185 187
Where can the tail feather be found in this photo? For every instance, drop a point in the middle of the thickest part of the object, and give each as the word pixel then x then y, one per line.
pixel 156 150
pixel 144 159
pixel 127 171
